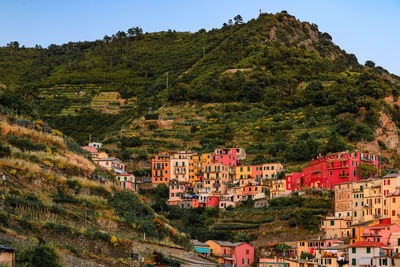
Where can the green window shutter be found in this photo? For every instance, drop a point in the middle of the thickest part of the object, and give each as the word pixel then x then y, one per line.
pixel 353 250
pixel 368 250
pixel 353 262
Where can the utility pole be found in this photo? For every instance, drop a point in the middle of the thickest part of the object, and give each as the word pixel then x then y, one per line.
pixel 204 52
pixel 85 220
pixel 90 138
pixel 167 78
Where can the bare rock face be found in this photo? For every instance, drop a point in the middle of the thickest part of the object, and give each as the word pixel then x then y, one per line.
pixel 387 133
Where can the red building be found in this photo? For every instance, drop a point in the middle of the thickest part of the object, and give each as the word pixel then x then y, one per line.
pixel 257 171
pixel 212 201
pixel 326 172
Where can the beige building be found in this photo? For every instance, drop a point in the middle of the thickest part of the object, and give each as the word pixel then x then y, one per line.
pixel 180 166
pixel 271 170
pixel 336 227
pixel 216 178
pixel 343 200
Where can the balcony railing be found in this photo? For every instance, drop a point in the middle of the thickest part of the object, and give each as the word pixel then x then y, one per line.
pixel 343 175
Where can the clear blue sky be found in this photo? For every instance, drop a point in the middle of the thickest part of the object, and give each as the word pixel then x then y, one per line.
pixel 368 28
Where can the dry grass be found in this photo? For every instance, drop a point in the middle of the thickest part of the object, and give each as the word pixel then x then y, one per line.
pixel 21 164
pixel 33 135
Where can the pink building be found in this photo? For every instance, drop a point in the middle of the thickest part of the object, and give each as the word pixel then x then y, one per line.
pixel 384 232
pixel 326 172
pixel 127 181
pixel 244 254
pixel 241 254
pixel 228 156
pixel 176 191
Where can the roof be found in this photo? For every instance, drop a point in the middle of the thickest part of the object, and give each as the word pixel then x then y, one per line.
pixel 362 223
pixel 198 243
pixel 227 243
pixel 391 175
pixel 370 244
pixel 6 248
pixel 90 149
pixel 381 225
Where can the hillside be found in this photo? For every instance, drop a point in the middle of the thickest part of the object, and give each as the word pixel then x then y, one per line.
pixel 53 194
pixel 275 85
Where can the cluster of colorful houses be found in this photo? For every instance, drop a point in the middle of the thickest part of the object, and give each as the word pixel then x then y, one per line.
pixel 364 229
pixel 100 158
pixel 217 179
pixel 238 254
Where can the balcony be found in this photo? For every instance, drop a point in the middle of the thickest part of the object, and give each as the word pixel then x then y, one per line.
pixel 364 158
pixel 344 175
pixel 216 185
pixel 338 167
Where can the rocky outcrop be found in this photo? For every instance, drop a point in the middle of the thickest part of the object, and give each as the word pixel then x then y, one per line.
pixel 387 134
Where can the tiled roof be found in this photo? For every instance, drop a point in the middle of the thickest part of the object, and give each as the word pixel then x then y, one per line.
pixel 370 244
pixel 227 243
pixel 198 243
pixel 90 149
pixel 382 225
pixel 391 175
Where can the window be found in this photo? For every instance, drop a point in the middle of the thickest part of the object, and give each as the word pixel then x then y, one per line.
pixel 247 251
pixel 353 250
pixel 394 200
pixel 332 223
pixel 368 250
pixel 353 262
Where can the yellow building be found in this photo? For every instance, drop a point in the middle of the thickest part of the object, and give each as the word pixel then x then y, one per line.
pixel 243 172
pixel 336 227
pixel 195 168
pixel 356 230
pixel 373 201
pixel 278 189
pixel 358 200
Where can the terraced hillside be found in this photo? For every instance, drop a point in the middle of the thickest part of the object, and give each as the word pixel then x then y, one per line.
pixel 279 87
pixel 53 193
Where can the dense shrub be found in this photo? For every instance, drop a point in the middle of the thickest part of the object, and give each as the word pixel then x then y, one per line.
pixel 25 144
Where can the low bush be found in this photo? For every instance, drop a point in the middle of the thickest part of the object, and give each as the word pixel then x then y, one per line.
pixel 58 228
pixel 235 226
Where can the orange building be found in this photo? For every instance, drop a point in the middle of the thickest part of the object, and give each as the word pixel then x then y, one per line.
pixel 160 172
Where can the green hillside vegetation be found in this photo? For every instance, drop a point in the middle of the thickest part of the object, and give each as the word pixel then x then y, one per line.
pixel 285 219
pixel 53 195
pixel 278 86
